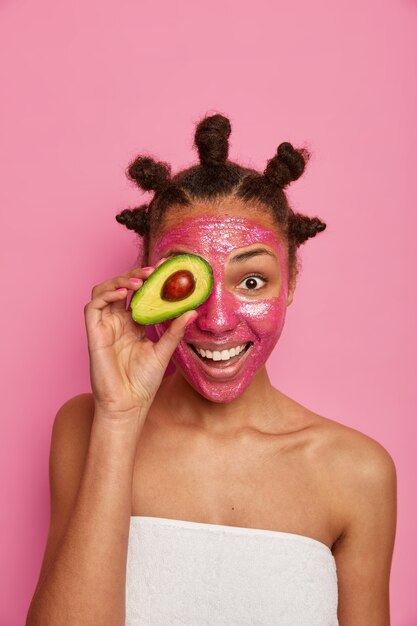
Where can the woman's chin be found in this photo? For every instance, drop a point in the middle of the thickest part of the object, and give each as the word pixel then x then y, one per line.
pixel 221 394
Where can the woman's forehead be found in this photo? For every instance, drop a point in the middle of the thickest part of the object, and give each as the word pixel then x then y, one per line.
pixel 219 234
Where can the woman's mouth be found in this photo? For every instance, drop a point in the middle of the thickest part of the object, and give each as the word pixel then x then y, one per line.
pixel 221 363
pixel 228 356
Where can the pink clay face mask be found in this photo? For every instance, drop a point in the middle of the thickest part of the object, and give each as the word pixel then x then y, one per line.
pixel 236 314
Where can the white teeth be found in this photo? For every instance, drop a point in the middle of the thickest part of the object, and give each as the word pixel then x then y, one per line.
pixel 224 355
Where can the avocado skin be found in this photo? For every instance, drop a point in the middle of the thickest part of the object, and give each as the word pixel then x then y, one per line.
pixel 147 305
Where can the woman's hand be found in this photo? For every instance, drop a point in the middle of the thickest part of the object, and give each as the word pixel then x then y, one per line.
pixel 126 368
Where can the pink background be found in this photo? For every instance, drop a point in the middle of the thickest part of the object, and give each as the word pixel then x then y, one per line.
pixel 87 85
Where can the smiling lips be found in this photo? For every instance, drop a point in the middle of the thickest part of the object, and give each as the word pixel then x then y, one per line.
pixel 221 354
pixel 217 367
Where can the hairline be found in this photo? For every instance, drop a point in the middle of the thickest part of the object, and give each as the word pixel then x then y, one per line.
pixel 210 209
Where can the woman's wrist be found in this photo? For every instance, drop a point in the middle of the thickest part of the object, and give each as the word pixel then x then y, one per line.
pixel 119 421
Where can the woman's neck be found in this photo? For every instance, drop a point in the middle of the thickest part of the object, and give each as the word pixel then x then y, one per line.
pixel 254 409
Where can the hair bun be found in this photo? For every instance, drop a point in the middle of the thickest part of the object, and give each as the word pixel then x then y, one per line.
pixel 287 165
pixel 149 174
pixel 134 219
pixel 211 139
pixel 301 227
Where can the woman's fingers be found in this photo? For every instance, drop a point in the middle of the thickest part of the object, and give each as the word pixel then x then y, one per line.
pixel 94 309
pixel 130 284
pixel 167 343
pixel 120 281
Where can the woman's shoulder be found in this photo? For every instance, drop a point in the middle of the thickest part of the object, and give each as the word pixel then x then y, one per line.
pixel 354 462
pixel 78 408
pixel 358 474
pixel 345 453
pixel 68 450
pixel 362 488
pixel 331 439
pixel 70 440
pixel 345 446
pixel 73 421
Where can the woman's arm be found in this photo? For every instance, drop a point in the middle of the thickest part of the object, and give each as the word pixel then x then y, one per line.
pixel 364 552
pixel 83 575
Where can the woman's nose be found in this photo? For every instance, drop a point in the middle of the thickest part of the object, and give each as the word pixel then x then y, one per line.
pixel 219 312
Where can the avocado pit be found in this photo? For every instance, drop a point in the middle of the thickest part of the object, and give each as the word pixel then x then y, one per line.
pixel 178 286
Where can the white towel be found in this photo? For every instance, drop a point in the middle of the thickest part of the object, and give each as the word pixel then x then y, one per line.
pixel 182 573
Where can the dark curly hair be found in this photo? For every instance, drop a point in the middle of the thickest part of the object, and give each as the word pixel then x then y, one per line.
pixel 217 177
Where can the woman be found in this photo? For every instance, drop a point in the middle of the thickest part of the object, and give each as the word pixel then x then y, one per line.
pixel 208 496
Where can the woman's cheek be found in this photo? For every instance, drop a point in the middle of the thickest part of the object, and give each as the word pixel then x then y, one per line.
pixel 266 317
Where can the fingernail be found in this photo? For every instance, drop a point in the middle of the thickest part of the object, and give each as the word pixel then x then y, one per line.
pixel 135 280
pixel 147 268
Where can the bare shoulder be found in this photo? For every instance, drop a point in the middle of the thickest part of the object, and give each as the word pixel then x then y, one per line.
pixel 359 468
pixel 361 482
pixel 69 446
pixel 352 455
pixel 69 443
pixel 68 452
pixel 342 450
pixel 76 413
pixel 363 488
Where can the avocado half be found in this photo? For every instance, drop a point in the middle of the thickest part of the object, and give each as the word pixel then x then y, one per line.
pixel 179 284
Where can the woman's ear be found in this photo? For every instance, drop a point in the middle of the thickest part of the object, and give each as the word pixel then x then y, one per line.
pixel 291 289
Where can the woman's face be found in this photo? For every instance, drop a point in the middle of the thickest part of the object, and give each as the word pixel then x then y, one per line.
pixel 246 309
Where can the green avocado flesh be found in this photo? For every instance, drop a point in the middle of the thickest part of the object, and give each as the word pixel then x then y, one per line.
pixel 179 284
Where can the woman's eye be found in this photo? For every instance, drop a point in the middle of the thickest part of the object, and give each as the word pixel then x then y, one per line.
pixel 252 283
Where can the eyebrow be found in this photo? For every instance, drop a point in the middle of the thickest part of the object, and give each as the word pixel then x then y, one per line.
pixel 243 256
pixel 239 258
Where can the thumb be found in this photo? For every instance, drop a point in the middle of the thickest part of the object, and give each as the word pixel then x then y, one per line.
pixel 166 345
